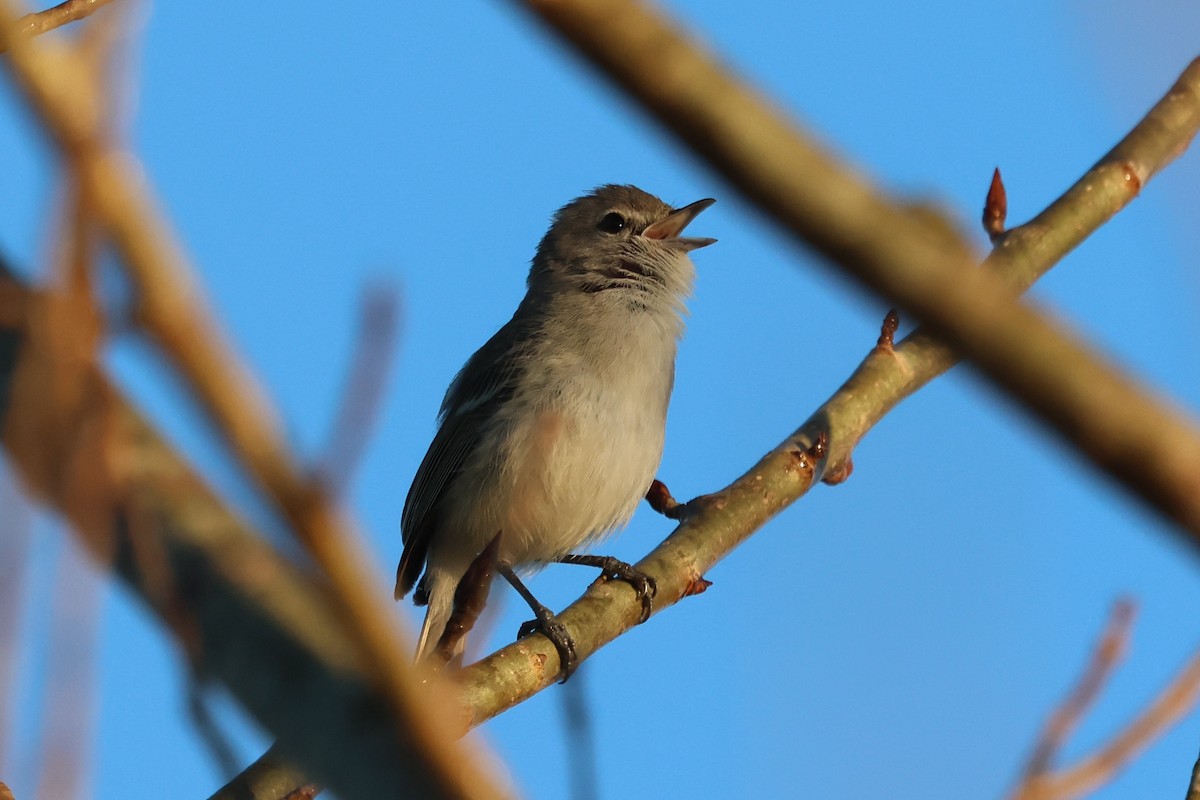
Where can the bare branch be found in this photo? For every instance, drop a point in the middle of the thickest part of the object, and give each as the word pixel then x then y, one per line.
pixel 884 378
pixel 69 695
pixel 15 538
pixel 270 777
pixel 1099 768
pixel 272 634
pixel 911 258
pixel 1105 658
pixel 171 308
pixel 363 390
pixel 55 17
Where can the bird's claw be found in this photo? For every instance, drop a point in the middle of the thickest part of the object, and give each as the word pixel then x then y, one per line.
pixel 557 633
pixel 643 585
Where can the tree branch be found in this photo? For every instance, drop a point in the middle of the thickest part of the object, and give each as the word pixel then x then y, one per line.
pixel 912 259
pixel 1105 658
pixel 881 381
pixel 171 309
pixel 244 615
pixel 1097 769
pixel 55 17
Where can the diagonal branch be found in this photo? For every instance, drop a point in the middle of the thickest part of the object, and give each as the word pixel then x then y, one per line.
pixel 900 254
pixel 881 381
pixel 55 17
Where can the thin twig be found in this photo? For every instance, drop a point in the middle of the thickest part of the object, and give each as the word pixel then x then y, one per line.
pixel 69 694
pixel 224 756
pixel 583 771
pixel 55 17
pixel 1095 770
pixel 16 534
pixel 363 390
pixel 910 259
pixel 1105 658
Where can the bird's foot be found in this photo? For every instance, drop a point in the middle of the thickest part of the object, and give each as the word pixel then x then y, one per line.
pixel 548 625
pixel 614 569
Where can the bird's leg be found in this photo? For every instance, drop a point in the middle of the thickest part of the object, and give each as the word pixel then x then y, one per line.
pixel 613 569
pixel 545 622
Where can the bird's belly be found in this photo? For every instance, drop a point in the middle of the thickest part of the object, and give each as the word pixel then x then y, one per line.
pixel 579 474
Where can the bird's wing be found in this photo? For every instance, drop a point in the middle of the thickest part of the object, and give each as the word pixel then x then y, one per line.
pixel 480 388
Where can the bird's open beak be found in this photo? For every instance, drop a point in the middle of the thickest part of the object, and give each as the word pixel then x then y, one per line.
pixel 668 229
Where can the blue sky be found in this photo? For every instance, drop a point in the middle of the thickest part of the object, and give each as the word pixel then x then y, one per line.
pixel 910 628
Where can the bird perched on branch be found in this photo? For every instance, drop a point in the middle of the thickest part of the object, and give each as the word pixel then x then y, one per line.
pixel 553 430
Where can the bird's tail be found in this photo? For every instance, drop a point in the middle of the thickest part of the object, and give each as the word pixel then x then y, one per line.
pixel 437 614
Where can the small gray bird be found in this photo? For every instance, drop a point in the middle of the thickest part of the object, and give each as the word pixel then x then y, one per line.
pixel 552 432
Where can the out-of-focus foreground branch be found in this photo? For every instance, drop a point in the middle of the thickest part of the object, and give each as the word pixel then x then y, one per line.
pixel 893 249
pixel 171 309
pixel 243 614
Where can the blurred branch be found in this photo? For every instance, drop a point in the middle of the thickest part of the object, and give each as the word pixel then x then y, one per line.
pixel 55 17
pixel 725 519
pixel 69 697
pixel 909 256
pixel 272 634
pixel 271 777
pixel 15 537
pixel 1097 769
pixel 171 309
pixel 363 389
pixel 1105 658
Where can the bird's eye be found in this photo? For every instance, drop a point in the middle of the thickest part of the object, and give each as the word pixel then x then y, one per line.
pixel 612 223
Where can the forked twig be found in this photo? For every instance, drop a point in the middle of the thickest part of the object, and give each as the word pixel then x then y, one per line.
pixel 1102 765
pixel 1106 656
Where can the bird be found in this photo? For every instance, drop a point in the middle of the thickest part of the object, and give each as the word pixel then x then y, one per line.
pixel 552 432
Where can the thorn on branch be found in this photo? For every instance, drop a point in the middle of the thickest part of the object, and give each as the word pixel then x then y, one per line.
pixel 995 208
pixel 698 585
